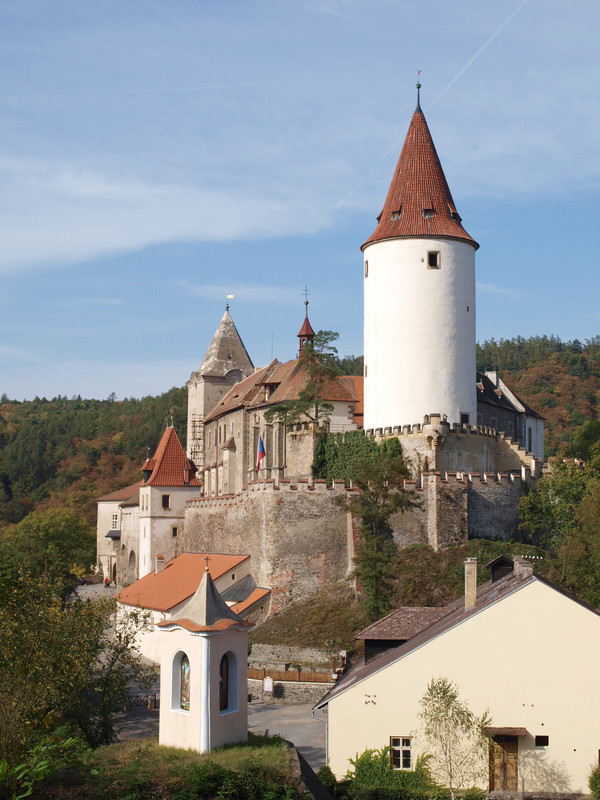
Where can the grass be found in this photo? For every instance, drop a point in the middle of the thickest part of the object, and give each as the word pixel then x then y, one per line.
pixel 141 769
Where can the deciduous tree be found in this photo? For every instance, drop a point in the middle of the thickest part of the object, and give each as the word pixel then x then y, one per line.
pixel 455 735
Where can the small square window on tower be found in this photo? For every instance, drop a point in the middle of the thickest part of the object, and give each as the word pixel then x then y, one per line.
pixel 433 259
pixel 166 501
pixel 175 532
pixel 464 419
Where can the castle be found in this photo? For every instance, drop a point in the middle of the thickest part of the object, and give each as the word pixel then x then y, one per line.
pixel 471 443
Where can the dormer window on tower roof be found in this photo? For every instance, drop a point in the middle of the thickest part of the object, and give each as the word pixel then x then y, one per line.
pixel 397 214
pixel 428 210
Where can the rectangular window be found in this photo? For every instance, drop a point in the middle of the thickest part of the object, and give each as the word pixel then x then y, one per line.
pixel 175 532
pixel 542 741
pixel 464 419
pixel 400 752
pixel 366 269
pixel 166 501
pixel 433 259
pixel 115 522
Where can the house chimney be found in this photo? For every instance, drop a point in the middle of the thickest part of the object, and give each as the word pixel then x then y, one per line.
pixel 470 582
pixel 523 567
pixel 160 563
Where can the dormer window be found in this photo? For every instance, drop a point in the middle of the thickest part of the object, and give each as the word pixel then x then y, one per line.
pixel 396 214
pixel 427 210
pixel 454 214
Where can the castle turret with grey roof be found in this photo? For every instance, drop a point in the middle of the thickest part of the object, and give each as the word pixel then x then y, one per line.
pixel 226 363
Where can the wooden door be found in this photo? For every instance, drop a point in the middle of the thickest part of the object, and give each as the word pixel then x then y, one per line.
pixel 504 759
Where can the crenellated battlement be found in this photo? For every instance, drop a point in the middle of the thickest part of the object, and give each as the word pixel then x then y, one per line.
pixel 283 485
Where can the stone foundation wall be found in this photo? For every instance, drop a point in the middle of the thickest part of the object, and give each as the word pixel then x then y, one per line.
pixel 292 692
pixel 298 538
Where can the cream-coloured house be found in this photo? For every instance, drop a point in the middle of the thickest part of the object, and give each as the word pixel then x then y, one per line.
pixel 518 646
pixel 165 591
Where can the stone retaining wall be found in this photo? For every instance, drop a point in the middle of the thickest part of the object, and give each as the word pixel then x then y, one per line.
pixel 292 692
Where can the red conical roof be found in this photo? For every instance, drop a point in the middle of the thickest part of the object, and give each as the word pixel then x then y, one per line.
pixel 170 466
pixel 419 202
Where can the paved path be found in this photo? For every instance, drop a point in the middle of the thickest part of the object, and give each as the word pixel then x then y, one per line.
pixel 294 723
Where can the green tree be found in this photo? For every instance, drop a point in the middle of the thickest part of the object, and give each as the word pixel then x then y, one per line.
pixel 60 663
pixel 547 514
pixel 379 484
pixel 456 736
pixel 317 370
pixel 56 543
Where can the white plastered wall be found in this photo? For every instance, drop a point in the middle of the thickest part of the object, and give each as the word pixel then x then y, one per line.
pixel 531 659
pixel 187 729
pixel 419 332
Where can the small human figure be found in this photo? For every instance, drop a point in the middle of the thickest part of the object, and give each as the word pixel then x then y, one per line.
pixel 106 582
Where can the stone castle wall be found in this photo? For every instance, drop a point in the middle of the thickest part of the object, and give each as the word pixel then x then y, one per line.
pixel 298 538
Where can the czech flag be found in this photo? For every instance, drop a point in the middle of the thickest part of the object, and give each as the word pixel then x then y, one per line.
pixel 261 453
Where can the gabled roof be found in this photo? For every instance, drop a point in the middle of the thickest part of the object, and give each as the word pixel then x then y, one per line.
pixel 404 623
pixel 492 394
pixel 226 351
pixel 205 611
pixel 455 614
pixel 177 581
pixel 419 202
pixel 278 383
pixel 127 493
pixel 170 466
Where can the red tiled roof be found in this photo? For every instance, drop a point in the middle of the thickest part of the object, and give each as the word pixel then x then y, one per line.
pixel 288 379
pixel 254 597
pixel 419 202
pixel 170 466
pixel 178 580
pixel 306 329
pixel 188 625
pixel 121 494
pixel 240 394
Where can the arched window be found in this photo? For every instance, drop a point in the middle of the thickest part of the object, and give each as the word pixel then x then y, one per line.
pixel 228 683
pixel 180 682
pixel 184 683
pixel 224 684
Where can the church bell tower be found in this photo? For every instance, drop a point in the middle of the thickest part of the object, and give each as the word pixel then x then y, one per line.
pixel 419 296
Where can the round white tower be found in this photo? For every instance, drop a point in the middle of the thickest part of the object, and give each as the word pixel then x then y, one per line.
pixel 419 268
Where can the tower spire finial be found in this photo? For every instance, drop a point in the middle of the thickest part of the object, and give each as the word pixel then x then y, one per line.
pixel 228 296
pixel 418 108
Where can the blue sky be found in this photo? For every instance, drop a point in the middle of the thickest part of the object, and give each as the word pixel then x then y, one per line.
pixel 156 155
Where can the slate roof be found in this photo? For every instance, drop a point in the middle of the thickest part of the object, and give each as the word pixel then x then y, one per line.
pixel 419 202
pixel 205 611
pixel 170 466
pixel 226 351
pixel 177 581
pixel 487 392
pixel 487 595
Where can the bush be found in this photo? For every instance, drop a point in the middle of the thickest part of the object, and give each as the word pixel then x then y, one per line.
pixel 327 778
pixel 594 783
pixel 208 780
pixel 374 778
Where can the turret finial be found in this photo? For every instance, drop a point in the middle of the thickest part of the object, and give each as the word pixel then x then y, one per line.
pixel 418 108
pixel 229 296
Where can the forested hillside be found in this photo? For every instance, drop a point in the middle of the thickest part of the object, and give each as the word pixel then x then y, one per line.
pixel 560 380
pixel 66 452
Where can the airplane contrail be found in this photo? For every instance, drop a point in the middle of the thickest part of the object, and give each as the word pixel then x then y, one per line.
pixel 483 47
pixel 458 75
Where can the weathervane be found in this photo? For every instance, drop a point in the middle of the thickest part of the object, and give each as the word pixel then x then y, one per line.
pixel 207 559
pixel 228 296
pixel 419 71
